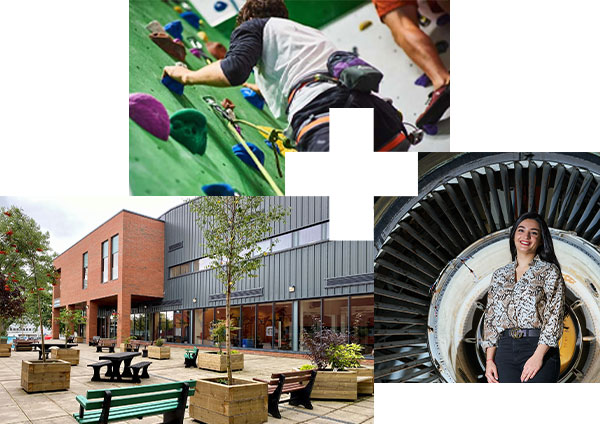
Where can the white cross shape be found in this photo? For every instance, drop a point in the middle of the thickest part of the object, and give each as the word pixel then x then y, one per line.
pixel 351 173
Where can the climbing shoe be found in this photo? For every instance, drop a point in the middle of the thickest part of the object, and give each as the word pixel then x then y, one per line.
pixel 439 102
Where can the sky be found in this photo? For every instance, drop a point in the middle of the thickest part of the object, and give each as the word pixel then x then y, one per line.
pixel 69 219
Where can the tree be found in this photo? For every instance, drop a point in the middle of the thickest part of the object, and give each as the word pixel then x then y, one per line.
pixel 232 228
pixel 70 319
pixel 25 263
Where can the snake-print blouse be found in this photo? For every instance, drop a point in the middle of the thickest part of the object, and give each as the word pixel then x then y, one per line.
pixel 535 301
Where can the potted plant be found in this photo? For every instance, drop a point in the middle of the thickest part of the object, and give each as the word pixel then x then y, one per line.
pixel 126 345
pixel 232 228
pixel 26 267
pixel 330 353
pixel 158 351
pixel 217 361
pixel 69 319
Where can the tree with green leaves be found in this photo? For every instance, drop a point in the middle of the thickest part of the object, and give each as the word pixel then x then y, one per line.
pixel 69 320
pixel 26 269
pixel 232 228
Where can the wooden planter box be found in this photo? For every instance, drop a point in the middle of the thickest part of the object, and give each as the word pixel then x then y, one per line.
pixel 37 376
pixel 159 352
pixel 243 403
pixel 4 350
pixel 123 347
pixel 335 385
pixel 78 339
pixel 365 381
pixel 215 362
pixel 69 355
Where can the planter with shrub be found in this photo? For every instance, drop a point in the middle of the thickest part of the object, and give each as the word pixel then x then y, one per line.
pixel 158 351
pixel 217 361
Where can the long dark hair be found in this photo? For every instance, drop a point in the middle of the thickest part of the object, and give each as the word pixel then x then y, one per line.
pixel 261 9
pixel 546 249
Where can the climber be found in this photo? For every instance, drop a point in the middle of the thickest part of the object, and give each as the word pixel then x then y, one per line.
pixel 286 56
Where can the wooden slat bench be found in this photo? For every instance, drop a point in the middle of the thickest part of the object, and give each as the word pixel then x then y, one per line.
pixel 297 384
pixel 106 344
pixel 136 370
pixel 23 345
pixel 119 404
pixel 97 366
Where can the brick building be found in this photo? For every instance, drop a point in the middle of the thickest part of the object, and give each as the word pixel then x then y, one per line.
pixel 163 288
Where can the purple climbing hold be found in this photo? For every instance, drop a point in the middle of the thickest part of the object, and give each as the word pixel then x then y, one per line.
pixel 423 81
pixel 222 189
pixel 220 6
pixel 443 20
pixel 430 129
pixel 175 29
pixel 150 114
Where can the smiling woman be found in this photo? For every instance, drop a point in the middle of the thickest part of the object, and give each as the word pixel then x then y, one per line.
pixel 525 309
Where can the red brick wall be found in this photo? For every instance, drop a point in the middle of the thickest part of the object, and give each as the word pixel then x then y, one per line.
pixel 141 267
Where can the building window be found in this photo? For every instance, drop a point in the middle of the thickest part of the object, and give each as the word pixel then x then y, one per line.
pixel 283 326
pixel 105 261
pixel 283 242
pixel 362 320
pixel 235 321
pixel 309 235
pixel 114 242
pixel 264 326
pixel 335 314
pixel 248 325
pixel 197 339
pixel 85 270
pixel 310 310
pixel 209 316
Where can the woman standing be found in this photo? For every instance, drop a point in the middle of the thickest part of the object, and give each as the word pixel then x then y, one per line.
pixel 524 314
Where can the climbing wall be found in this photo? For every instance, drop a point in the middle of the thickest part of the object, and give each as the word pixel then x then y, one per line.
pixel 157 167
pixel 376 45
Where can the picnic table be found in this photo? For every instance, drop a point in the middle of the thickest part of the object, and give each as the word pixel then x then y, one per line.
pixel 116 359
pixel 47 346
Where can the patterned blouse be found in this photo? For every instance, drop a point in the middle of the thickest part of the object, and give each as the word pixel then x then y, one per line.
pixel 535 301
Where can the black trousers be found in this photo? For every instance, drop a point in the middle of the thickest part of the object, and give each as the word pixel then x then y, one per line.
pixel 512 354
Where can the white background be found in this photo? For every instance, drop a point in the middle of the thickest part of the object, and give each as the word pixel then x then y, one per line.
pixel 524 79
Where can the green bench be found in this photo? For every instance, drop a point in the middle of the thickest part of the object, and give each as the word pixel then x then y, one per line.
pixel 103 406
pixel 190 357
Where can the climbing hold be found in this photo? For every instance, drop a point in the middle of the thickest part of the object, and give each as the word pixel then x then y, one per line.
pixel 173 49
pixel 220 6
pixel 221 189
pixel 423 81
pixel 188 127
pixel 355 50
pixel 442 46
pixel 218 50
pixel 241 153
pixel 227 104
pixel 423 20
pixel 268 143
pixel 192 19
pixel 443 20
pixel 186 6
pixel 155 26
pixel 150 114
pixel 175 29
pixel 253 98
pixel 171 84
pixel 178 9
pixel 183 65
pixel 364 25
pixel 430 129
pixel 203 36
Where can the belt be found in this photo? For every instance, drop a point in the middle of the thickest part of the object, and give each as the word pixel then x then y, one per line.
pixel 517 333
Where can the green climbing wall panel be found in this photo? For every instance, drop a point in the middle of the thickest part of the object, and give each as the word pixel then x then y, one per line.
pixel 157 167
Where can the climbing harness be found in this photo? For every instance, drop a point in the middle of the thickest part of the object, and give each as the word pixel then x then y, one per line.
pixel 235 129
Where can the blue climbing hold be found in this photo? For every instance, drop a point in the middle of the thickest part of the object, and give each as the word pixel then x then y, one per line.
pixel 171 84
pixel 253 97
pixel 175 29
pixel 192 19
pixel 221 189
pixel 443 20
pixel 423 81
pixel 430 129
pixel 220 6
pixel 268 143
pixel 241 153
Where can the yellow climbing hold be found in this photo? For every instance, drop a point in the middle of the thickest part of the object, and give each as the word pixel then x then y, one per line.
pixel 201 22
pixel 178 9
pixel 364 25
pixel 203 36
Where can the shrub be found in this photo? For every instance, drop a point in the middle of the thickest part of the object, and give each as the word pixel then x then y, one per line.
pixel 218 332
pixel 158 342
pixel 306 367
pixel 344 356
pixel 319 340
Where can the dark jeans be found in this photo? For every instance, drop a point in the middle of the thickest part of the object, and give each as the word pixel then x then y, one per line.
pixel 512 354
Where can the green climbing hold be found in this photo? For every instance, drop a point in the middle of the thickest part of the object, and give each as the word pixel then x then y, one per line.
pixel 188 126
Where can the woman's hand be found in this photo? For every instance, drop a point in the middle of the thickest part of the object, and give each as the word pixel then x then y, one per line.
pixel 532 366
pixel 178 73
pixel 491 372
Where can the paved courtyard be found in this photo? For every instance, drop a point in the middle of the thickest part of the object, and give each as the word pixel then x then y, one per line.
pixel 17 406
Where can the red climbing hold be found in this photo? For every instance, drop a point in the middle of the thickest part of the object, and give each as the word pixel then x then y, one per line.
pixel 165 42
pixel 218 50
pixel 227 104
